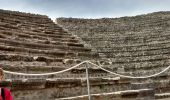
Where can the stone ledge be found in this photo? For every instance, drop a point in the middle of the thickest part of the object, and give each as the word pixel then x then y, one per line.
pixel 162 95
pixel 143 94
pixel 60 83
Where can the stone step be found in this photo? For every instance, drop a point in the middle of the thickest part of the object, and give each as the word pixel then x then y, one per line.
pixel 30 35
pixel 162 96
pixel 7 25
pixel 33 49
pixel 34 28
pixel 50 53
pixel 28 58
pixel 139 55
pixel 105 84
pixel 133 48
pixel 159 86
pixel 54 53
pixel 33 36
pixel 47 68
pixel 42 56
pixel 142 94
pixel 143 34
pixel 62 82
pixel 36 66
pixel 3 36
pixel 8 65
pixel 136 73
pixel 23 19
pixel 116 82
pixel 148 67
pixel 41 34
pixel 162 87
pixel 150 52
pixel 145 72
pixel 164 99
pixel 130 41
pixel 35 25
pixel 50 42
pixel 19 45
pixel 132 66
pixel 37 37
pixel 135 53
pixel 102 55
pixel 32 68
pixel 143 59
pixel 7 22
pixel 21 14
pixel 11 52
pixel 40 86
pixel 56 35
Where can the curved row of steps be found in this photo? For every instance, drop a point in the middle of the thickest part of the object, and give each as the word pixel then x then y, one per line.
pixel 34 44
pixel 62 87
pixel 135 46
pixel 31 43
pixel 162 96
pixel 141 94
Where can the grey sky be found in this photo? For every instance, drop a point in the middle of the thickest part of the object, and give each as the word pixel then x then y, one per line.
pixel 86 8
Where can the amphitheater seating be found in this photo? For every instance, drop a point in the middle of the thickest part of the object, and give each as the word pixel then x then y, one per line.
pixel 139 45
pixel 127 95
pixel 32 43
pixel 30 38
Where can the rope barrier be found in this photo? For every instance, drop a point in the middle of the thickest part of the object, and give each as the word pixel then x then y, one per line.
pixel 133 77
pixel 99 66
pixel 45 74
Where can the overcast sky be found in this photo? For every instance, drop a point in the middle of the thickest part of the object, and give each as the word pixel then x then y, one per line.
pixel 86 8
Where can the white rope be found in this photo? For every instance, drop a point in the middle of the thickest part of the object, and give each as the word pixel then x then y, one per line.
pixel 44 74
pixel 126 76
pixel 99 66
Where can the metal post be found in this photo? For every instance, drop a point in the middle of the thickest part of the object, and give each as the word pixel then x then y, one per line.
pixel 88 83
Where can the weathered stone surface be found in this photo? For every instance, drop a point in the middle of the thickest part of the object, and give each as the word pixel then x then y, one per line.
pixel 144 94
pixel 135 46
pixel 31 43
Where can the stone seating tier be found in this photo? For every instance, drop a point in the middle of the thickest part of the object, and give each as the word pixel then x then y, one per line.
pixel 142 94
pixel 32 43
pixel 98 85
pixel 137 46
